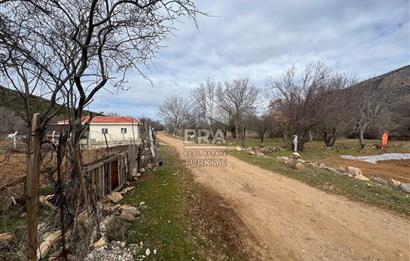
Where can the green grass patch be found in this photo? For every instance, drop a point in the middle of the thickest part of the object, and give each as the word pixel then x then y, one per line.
pixel 365 192
pixel 170 221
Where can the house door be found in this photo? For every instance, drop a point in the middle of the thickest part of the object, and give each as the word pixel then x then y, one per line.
pixel 114 174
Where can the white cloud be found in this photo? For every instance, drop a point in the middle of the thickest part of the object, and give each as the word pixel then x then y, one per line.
pixel 258 39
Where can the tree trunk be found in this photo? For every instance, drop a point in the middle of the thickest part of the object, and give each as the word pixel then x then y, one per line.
pixel 361 138
pixel 310 136
pixel 329 139
pixel 242 137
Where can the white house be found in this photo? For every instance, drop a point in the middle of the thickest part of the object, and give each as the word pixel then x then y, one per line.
pixel 116 129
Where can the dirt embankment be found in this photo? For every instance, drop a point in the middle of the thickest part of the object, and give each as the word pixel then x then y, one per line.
pixel 388 169
pixel 292 221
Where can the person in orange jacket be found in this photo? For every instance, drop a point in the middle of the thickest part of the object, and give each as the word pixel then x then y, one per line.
pixel 385 138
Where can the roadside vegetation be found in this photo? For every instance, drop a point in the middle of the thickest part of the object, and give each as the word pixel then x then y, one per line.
pixel 366 192
pixel 315 150
pixel 182 220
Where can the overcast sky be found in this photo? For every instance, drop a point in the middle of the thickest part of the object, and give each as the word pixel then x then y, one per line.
pixel 259 39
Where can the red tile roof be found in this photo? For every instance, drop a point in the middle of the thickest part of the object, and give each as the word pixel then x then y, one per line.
pixel 105 119
pixel 112 119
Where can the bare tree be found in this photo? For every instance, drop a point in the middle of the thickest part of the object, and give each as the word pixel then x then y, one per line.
pixel 260 124
pixel 238 98
pixel 305 101
pixel 371 106
pixel 175 112
pixel 67 51
pixel 205 102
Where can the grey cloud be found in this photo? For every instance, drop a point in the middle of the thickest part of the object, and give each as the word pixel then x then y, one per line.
pixel 258 39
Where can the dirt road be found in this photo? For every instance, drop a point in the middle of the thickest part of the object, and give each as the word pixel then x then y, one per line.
pixel 292 221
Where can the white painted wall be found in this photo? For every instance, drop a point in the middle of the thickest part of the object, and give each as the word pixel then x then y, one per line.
pixel 114 132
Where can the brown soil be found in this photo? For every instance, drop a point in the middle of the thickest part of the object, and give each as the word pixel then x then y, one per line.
pixel 292 221
pixel 389 169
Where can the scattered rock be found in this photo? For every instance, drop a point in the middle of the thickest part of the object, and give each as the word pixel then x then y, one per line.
pixel 117 251
pixel 379 180
pixel 354 171
pixel 282 159
pixel 395 183
pixel 299 166
pixel 147 252
pixel 132 210
pixel 102 242
pixel 127 216
pixel 322 165
pixel 312 164
pixel 45 201
pixel 252 152
pixel 154 252
pixel 129 213
pixel 294 164
pixel 50 239
pixel 127 189
pixel 296 155
pixel 238 148
pixel 115 197
pixel 333 170
pixel 142 170
pixel 6 237
pixel 341 169
pixel 405 187
pixel 361 177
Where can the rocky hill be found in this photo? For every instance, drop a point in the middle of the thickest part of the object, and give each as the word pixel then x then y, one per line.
pixel 396 84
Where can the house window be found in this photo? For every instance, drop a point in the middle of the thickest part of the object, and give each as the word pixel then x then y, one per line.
pixel 104 131
pixel 123 130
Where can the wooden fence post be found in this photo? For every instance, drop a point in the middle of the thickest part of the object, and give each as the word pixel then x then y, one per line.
pixel 32 187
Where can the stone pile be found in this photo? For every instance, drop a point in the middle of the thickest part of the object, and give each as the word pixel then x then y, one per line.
pixel 295 162
pixel 114 221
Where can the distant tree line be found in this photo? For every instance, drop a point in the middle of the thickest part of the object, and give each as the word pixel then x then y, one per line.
pixel 316 103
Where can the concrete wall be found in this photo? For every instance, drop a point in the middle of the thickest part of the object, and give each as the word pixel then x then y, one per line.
pixel 114 132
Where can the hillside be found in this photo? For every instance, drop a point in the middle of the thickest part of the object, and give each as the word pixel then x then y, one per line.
pixel 397 84
pixel 11 100
pixel 397 81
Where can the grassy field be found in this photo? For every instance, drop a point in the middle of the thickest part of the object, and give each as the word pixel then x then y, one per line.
pixel 374 195
pixel 181 219
pixel 315 149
